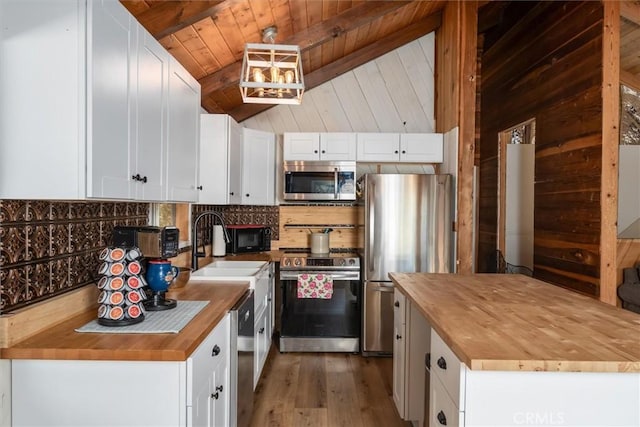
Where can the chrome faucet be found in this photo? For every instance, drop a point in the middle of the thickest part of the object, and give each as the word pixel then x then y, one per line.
pixel 194 236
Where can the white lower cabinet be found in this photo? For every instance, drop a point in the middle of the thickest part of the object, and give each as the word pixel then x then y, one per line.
pixel 263 323
pixel 443 410
pixel 411 344
pixel 126 393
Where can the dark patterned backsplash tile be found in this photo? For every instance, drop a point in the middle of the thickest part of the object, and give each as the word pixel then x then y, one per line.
pixel 50 247
pixel 241 214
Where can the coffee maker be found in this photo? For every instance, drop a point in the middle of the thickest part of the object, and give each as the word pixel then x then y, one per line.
pixel 156 244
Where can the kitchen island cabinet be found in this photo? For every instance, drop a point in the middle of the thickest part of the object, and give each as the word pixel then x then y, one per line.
pixel 512 350
pixel 115 379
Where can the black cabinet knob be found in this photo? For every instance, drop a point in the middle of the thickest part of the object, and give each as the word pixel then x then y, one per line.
pixel 214 395
pixel 404 152
pixel 398 337
pixel 315 151
pixel 219 388
pixel 323 151
pixel 136 177
pixel 215 351
pixel 246 195
pixel 442 364
pixel 144 179
pixel 199 187
pixel 261 331
pixel 442 419
pixel 397 303
pixel 231 194
pixel 396 152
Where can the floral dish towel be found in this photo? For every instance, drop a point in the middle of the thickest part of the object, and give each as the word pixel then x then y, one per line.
pixel 318 286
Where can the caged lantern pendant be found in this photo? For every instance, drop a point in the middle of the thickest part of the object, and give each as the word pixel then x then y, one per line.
pixel 271 73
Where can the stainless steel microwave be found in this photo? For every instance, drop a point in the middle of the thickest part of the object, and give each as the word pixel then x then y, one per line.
pixel 319 180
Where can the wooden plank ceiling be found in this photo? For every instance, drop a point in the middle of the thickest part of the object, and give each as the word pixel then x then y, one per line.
pixel 208 37
pixel 629 52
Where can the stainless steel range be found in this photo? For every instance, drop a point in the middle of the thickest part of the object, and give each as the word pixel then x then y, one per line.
pixel 328 321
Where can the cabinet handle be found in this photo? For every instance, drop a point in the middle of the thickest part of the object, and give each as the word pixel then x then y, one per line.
pixel 136 177
pixel 199 187
pixel 247 195
pixel 214 395
pixel 442 419
pixel 261 331
pixel 427 360
pixel 396 304
pixel 398 336
pixel 442 364
pixel 144 179
pixel 269 299
pixel 323 151
pixel 215 351
pixel 231 194
pixel 404 152
pixel 219 388
pixel 395 152
pixel 315 151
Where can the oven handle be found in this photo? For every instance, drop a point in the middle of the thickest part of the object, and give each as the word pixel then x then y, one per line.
pixel 335 275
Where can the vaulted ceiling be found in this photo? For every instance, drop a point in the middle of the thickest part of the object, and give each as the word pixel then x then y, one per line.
pixel 208 37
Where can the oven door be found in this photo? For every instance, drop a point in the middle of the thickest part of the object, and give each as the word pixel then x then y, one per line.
pixel 310 324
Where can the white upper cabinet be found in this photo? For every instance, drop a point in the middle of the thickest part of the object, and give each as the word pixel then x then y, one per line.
pixel 183 134
pixel 220 160
pixel 319 146
pixel 378 147
pixel 403 147
pixel 259 167
pixel 98 86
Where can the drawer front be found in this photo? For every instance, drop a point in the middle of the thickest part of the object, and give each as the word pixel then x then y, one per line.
pixel 448 368
pixel 442 409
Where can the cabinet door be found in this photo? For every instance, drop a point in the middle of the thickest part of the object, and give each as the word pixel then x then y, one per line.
pixel 200 413
pixel 259 167
pixel 235 168
pixel 418 344
pixel 183 122
pixel 338 146
pixel 378 147
pixel 301 146
pixel 399 339
pixel 261 345
pixel 152 73
pixel 213 158
pixel 220 396
pixel 421 147
pixel 111 152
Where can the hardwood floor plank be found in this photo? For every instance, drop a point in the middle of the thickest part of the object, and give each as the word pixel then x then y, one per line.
pixel 342 399
pixel 310 417
pixel 325 390
pixel 312 382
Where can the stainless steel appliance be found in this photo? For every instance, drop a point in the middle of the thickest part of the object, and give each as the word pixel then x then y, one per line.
pixel 407 228
pixel 310 324
pixel 153 242
pixel 248 238
pixel 319 180
pixel 242 355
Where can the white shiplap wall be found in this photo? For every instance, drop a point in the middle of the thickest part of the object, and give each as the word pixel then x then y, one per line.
pixel 393 93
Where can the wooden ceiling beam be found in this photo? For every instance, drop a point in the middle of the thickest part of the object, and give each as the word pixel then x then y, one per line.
pixel 309 38
pixel 353 60
pixel 167 17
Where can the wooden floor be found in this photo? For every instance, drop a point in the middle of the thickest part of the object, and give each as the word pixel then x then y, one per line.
pixel 325 389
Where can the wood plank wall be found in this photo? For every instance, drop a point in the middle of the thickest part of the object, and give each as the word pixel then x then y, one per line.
pixel 544 61
pixel 298 222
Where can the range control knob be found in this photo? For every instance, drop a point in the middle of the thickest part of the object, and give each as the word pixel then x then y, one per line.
pixel 352 261
pixel 286 262
pixel 297 262
pixel 342 262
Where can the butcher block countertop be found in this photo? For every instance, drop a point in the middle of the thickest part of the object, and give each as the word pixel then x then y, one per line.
pixel 62 342
pixel 507 322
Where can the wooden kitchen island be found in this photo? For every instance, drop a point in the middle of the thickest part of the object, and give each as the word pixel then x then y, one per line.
pixel 63 377
pixel 510 350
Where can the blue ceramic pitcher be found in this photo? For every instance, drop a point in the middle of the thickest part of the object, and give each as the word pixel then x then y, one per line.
pixel 160 274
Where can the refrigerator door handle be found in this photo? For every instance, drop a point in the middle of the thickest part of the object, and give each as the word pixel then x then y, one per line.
pixel 382 288
pixel 372 223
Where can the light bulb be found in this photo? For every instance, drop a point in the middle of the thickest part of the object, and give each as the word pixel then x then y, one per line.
pixel 257 75
pixel 275 73
pixel 288 76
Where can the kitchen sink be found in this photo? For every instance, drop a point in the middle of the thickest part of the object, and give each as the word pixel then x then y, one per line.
pixel 220 272
pixel 236 264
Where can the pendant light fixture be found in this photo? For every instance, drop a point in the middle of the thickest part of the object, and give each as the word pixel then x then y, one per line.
pixel 271 73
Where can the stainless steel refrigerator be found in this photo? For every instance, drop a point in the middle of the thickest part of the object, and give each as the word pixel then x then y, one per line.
pixel 407 228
